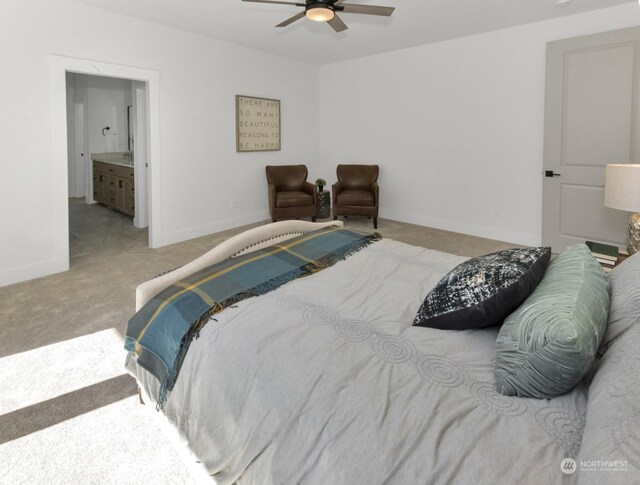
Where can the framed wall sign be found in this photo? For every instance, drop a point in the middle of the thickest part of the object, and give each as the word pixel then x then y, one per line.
pixel 257 124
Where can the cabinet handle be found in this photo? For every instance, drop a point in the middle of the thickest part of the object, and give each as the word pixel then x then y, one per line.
pixel 100 178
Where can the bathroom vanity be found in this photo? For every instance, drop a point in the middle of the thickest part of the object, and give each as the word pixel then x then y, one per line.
pixel 113 183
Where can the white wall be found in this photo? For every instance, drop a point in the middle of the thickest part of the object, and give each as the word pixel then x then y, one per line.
pixel 457 126
pixel 199 78
pixel 107 101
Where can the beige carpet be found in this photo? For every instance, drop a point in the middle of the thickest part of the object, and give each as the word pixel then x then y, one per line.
pixel 110 257
pixel 66 421
pixel 70 418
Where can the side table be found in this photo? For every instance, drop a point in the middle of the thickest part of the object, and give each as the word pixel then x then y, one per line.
pixel 621 258
pixel 324 204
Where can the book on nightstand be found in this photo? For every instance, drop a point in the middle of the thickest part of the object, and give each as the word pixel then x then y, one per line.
pixel 604 253
pixel 606 262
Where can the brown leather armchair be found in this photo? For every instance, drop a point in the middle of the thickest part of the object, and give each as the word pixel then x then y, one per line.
pixel 290 195
pixel 356 192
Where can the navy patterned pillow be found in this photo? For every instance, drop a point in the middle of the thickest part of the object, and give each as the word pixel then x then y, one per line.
pixel 483 291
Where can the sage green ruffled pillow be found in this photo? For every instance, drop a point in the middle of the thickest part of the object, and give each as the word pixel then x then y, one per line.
pixel 550 342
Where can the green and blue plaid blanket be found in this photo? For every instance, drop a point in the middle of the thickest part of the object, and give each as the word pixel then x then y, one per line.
pixel 160 332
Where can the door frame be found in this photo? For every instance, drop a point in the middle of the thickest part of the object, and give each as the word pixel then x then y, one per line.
pixel 60 65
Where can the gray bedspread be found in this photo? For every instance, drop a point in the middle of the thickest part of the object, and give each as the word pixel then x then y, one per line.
pixel 325 381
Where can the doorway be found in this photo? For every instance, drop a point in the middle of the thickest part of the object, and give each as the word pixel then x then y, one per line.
pixel 144 96
pixel 106 132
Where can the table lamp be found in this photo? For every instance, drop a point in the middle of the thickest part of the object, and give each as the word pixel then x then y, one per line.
pixel 622 192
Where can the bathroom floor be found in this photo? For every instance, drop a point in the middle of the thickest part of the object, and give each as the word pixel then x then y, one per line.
pixel 96 231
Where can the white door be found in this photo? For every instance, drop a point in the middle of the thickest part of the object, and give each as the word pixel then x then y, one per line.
pixel 140 158
pixel 591 120
pixel 80 151
pixel 71 143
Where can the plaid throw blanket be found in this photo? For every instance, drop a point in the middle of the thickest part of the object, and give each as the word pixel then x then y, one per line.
pixel 160 333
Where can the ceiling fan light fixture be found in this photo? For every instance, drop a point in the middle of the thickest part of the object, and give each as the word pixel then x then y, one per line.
pixel 320 14
pixel 325 11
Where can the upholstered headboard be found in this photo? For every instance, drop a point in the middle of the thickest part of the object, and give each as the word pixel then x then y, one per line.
pixel 242 243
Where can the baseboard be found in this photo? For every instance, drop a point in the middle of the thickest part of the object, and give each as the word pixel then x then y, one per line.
pixel 30 271
pixel 487 232
pixel 194 232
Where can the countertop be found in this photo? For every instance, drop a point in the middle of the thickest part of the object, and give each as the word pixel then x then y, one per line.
pixel 123 159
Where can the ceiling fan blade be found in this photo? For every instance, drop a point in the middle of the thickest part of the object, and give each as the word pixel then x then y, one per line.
pixel 291 20
pixel 277 3
pixel 366 9
pixel 337 24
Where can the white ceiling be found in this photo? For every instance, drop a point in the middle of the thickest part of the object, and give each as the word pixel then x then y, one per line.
pixel 414 22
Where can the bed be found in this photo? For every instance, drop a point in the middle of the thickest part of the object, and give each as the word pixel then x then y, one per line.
pixel 325 380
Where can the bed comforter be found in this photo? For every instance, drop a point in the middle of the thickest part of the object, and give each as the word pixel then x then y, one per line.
pixel 325 381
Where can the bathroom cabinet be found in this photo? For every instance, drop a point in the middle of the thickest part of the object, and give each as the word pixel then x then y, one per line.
pixel 113 186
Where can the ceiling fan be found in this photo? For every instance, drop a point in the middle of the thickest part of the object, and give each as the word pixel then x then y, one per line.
pixel 326 11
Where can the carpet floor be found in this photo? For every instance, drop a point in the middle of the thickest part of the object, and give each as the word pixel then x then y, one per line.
pixel 74 418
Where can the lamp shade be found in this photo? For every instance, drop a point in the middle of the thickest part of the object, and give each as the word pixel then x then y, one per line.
pixel 622 187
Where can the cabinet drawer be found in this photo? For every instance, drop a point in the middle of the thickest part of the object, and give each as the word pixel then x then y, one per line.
pixel 124 172
pixel 118 170
pixel 101 167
